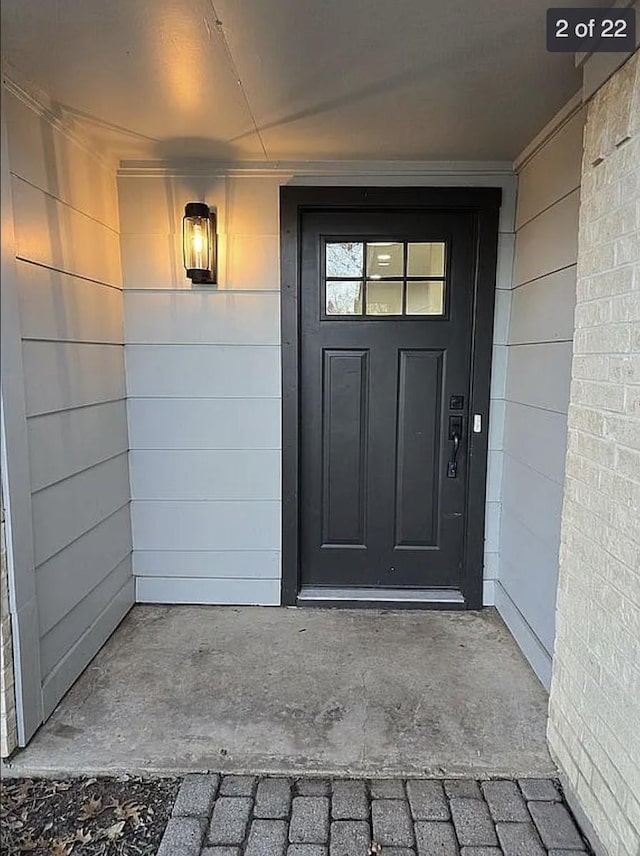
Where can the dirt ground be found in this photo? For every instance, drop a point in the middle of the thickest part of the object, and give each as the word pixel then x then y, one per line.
pixel 85 817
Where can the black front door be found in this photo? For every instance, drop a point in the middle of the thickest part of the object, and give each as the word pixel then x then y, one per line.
pixel 386 312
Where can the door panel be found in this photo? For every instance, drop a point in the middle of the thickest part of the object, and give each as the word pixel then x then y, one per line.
pixel 386 310
pixel 418 439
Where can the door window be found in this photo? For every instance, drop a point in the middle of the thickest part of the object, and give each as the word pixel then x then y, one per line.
pixel 373 279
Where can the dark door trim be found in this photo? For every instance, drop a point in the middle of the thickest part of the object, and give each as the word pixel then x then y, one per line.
pixel 484 204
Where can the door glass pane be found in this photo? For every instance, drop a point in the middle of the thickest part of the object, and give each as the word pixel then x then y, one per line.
pixel 344 298
pixel 344 259
pixel 385 259
pixel 384 298
pixel 425 259
pixel 425 298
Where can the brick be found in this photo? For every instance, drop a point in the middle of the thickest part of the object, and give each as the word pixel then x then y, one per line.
pixel 182 837
pixel 391 823
pixel 555 825
pixel 398 851
pixel 221 851
pixel 555 852
pixel 237 786
pixel 519 839
pixel 349 801
pixel 472 821
pixel 349 838
pixel 273 798
pixel 427 800
pixel 386 789
pixel 435 837
pixel 196 795
pixel 309 820
pixel 539 789
pixel 313 787
pixel 466 788
pixel 229 820
pixel 505 801
pixel 266 838
pixel 306 850
pixel 481 851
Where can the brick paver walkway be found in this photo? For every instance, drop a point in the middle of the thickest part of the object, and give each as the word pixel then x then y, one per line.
pixel 251 816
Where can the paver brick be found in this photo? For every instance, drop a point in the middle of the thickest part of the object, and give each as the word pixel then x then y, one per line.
pixel 229 820
pixel 555 852
pixel 182 837
pixel 391 821
pixel 539 789
pixel 349 838
pixel 427 800
pixel 273 798
pixel 386 789
pixel 313 787
pixel 349 801
pixel 306 850
pixel 505 802
pixel 464 788
pixel 309 820
pixel 472 821
pixel 399 851
pixel 237 786
pixel 435 838
pixel 266 838
pixel 221 851
pixel 481 851
pixel 196 795
pixel 555 825
pixel 519 839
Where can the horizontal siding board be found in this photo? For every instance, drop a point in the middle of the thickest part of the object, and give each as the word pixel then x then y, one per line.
pixel 224 592
pixel 153 261
pixel 252 261
pixel 60 375
pixel 538 657
pixel 540 375
pixel 156 206
pixel 69 509
pixel 537 438
pixel 533 499
pixel 69 576
pixel 58 306
pixel 203 371
pixel 63 444
pixel 203 317
pixel 209 564
pixel 251 474
pixel 553 172
pixel 45 156
pixel 60 639
pixel 543 310
pixel 181 525
pixel 82 653
pixel 253 206
pixel 52 234
pixel 549 242
pixel 529 575
pixel 213 423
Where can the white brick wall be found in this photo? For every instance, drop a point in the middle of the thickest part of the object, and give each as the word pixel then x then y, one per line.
pixel 8 734
pixel 594 710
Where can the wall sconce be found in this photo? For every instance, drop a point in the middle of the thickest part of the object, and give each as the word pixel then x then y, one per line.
pixel 199 243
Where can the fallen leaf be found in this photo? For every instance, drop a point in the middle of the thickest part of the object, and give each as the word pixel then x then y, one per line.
pixel 90 808
pixel 83 837
pixel 114 831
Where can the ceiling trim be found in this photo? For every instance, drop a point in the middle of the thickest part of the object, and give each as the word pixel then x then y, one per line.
pixel 35 101
pixel 320 169
pixel 564 115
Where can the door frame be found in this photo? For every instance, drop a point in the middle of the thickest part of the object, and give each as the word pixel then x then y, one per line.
pixel 484 205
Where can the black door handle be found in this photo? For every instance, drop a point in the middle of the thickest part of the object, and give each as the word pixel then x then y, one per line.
pixel 452 466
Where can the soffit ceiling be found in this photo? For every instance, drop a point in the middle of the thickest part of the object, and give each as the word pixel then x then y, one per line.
pixel 295 79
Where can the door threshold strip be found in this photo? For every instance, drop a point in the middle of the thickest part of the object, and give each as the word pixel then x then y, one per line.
pixel 380 595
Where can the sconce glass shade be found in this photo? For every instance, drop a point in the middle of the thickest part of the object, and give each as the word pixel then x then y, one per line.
pixel 199 243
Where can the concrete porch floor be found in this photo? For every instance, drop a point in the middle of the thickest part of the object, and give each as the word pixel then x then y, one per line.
pixel 360 692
